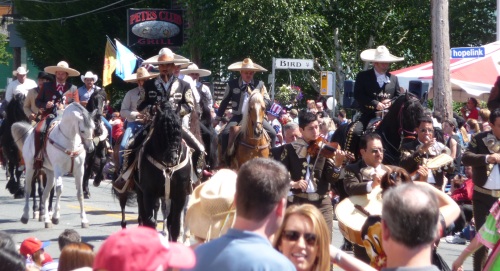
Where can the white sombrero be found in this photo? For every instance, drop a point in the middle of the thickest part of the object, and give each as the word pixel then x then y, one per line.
pixel 63 67
pixel 381 54
pixel 90 75
pixel 21 70
pixel 211 208
pixel 142 74
pixel 166 56
pixel 193 68
pixel 247 64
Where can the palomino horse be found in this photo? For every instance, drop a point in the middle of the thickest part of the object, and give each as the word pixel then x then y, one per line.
pixel 64 152
pixel 252 141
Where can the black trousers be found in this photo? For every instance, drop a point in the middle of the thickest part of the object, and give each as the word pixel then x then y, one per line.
pixel 235 120
pixel 481 203
pixel 323 205
pixel 466 214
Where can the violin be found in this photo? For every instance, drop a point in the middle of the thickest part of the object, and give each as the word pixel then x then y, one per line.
pixel 323 148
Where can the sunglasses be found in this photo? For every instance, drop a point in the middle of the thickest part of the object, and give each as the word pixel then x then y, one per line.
pixel 375 151
pixel 427 130
pixel 293 236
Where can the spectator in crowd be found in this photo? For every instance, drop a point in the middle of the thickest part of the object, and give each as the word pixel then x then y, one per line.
pixel 117 127
pixel 76 255
pixel 291 132
pixel 261 188
pixel 342 116
pixel 488 236
pixel 437 119
pixel 19 86
pixel 484 115
pixel 311 106
pixel 327 128
pixel 453 143
pixel 68 236
pixel 304 239
pixel 210 210
pixel 471 109
pixel 461 192
pixel 11 260
pixel 89 87
pixel 473 128
pixel 410 219
pixel 273 115
pixel 33 251
pixel 6 241
pixel 294 115
pixel 141 249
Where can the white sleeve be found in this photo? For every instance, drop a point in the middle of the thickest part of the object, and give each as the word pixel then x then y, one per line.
pixel 9 91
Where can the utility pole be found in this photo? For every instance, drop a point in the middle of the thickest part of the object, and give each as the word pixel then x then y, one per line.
pixel 441 58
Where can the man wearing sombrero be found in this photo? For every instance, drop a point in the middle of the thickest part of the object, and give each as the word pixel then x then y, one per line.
pixel 195 73
pixel 376 88
pixel 168 87
pixel 51 98
pixel 237 93
pixel 19 86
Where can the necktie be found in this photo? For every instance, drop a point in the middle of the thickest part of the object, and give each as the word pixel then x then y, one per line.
pixel 60 88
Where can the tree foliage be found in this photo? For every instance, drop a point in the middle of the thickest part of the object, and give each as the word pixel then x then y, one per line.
pixel 4 55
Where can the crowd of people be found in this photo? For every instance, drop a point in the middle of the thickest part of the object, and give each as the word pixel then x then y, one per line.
pixel 277 213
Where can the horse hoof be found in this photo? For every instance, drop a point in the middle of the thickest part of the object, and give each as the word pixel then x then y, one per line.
pixel 86 195
pixel 36 215
pixel 55 221
pixel 124 225
pixel 96 183
pixel 24 220
pixel 19 195
pixel 48 225
pixel 85 225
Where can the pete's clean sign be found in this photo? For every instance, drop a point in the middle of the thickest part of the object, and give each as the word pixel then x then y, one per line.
pixel 294 64
pixel 467 52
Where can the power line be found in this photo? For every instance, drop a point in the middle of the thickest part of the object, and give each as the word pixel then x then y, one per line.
pixel 67 17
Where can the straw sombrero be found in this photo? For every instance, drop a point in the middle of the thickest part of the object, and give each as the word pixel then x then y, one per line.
pixel 381 54
pixel 142 73
pixel 193 68
pixel 247 64
pixel 63 67
pixel 211 209
pixel 166 56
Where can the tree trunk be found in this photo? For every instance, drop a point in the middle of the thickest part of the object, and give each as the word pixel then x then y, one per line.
pixel 441 58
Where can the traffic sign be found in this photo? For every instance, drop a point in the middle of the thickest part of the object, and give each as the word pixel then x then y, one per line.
pixel 467 52
pixel 294 64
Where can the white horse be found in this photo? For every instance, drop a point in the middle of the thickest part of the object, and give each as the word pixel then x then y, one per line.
pixel 64 153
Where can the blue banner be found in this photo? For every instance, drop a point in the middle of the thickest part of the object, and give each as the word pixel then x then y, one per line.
pixel 125 61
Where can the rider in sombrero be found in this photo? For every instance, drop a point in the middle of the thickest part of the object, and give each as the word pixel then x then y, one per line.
pixel 51 98
pixel 236 95
pixel 376 88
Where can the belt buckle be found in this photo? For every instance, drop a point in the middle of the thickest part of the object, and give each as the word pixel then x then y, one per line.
pixel 313 196
pixel 177 97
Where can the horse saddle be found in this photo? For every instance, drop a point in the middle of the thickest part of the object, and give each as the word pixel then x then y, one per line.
pixel 40 145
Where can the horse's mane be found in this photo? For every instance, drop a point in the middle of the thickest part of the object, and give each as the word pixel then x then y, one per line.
pixel 87 118
pixel 14 110
pixel 167 131
pixel 96 101
pixel 255 98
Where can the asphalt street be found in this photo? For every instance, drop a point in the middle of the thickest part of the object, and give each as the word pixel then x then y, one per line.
pixel 103 213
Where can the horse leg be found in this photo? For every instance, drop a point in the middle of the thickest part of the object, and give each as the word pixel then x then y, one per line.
pixel 86 175
pixel 140 207
pixel 174 218
pixel 33 195
pixel 78 172
pixel 123 202
pixel 29 179
pixel 46 191
pixel 149 202
pixel 20 191
pixel 58 190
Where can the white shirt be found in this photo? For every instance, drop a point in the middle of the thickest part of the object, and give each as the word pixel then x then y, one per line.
pixel 207 92
pixel 382 78
pixel 15 88
pixel 493 182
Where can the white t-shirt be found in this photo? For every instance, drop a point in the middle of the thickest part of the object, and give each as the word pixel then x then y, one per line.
pixel 15 88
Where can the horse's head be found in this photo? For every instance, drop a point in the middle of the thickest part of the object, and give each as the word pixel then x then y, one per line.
pixel 253 120
pixel 166 137
pixel 14 110
pixel 83 124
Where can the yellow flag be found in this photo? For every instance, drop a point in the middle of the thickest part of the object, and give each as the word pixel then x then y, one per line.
pixel 109 64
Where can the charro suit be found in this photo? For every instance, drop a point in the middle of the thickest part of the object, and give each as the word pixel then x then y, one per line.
pixel 179 92
pixel 368 93
pixel 354 181
pixel 297 161
pixel 411 159
pixel 49 93
pixel 475 156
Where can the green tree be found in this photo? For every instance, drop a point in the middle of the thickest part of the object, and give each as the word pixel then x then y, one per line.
pixel 4 55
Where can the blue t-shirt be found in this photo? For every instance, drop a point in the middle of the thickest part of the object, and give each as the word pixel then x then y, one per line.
pixel 84 94
pixel 240 250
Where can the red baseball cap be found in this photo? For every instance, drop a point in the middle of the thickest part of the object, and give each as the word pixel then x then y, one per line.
pixel 31 245
pixel 142 249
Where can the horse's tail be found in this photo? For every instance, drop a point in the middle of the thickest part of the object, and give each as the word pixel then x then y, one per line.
pixel 20 131
pixel 127 198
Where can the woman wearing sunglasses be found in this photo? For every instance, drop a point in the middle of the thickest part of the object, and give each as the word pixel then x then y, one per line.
pixel 304 239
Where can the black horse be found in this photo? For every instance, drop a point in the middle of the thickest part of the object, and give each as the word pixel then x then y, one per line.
pixel 96 160
pixel 14 113
pixel 396 128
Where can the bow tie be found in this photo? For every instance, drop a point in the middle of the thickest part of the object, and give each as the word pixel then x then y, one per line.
pixel 244 86
pixel 492 143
